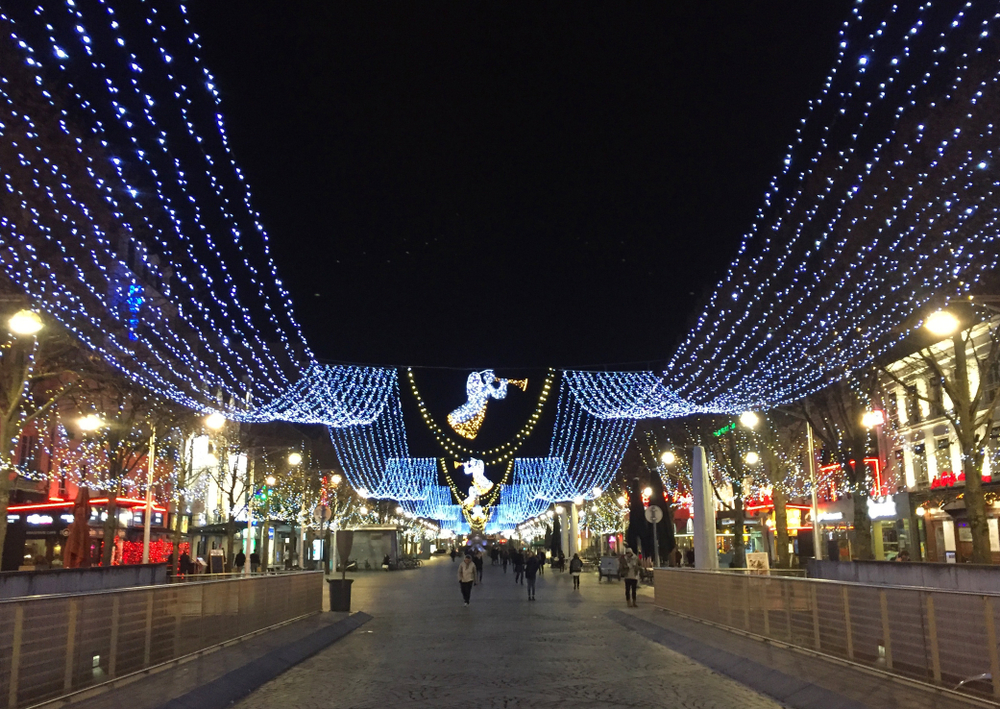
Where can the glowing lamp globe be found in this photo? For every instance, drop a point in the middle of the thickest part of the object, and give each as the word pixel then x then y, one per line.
pixel 749 419
pixel 647 492
pixel 399 510
pixel 941 323
pixel 871 419
pixel 363 510
pixel 90 423
pixel 25 322
pixel 622 501
pixel 578 500
pixel 215 421
pixel 294 458
pixel 921 511
pixel 335 479
pixel 668 458
pixel 596 492
pixel 751 458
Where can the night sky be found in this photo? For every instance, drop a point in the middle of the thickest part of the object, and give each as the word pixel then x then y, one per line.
pixel 510 185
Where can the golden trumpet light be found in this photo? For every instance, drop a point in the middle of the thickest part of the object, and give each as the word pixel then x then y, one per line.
pixel 294 458
pixel 215 421
pixel 751 458
pixel 941 323
pixel 668 458
pixel 90 423
pixel 749 419
pixel 25 322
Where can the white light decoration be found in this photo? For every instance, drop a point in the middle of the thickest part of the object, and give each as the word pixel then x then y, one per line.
pixel 871 419
pixel 748 419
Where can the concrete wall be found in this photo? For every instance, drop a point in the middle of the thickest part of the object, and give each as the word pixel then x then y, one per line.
pixel 948 577
pixel 14 584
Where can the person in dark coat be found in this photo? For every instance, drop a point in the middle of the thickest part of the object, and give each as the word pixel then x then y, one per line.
pixel 477 559
pixel 240 561
pixel 530 569
pixel 519 567
pixel 505 558
pixel 254 561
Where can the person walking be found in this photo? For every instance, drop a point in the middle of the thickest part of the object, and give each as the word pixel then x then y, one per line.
pixel 467 577
pixel 628 565
pixel 454 554
pixel 541 562
pixel 254 561
pixel 575 567
pixel 530 569
pixel 240 561
pixel 478 561
pixel 519 567
pixel 505 557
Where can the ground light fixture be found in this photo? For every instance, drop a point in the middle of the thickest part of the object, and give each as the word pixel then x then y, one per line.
pixel 215 421
pixel 90 423
pixel 941 323
pixel 751 458
pixel 668 457
pixel 294 458
pixel 25 322
pixel 749 419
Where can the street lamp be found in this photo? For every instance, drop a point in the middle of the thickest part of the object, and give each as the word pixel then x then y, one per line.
pixel 335 479
pixel 647 492
pixel 363 510
pixel 215 421
pixel 749 419
pixel 941 323
pixel 596 492
pixel 578 500
pixel 90 423
pixel 751 458
pixel 622 501
pixel 25 322
pixel 668 458
pixel 871 419
pixel 270 480
pixel 294 458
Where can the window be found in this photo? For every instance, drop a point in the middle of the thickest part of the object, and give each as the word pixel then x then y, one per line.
pixel 920 464
pixel 892 404
pixel 936 395
pixel 942 455
pixel 912 405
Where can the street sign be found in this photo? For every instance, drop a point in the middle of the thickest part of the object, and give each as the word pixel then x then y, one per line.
pixel 322 514
pixel 654 514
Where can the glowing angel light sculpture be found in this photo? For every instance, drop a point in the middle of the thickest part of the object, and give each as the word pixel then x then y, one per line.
pixel 480 483
pixel 480 387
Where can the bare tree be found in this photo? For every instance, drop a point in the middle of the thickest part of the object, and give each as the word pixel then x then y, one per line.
pixel 35 373
pixel 971 408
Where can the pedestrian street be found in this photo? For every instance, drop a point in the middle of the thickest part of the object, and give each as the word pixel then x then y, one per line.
pixel 424 648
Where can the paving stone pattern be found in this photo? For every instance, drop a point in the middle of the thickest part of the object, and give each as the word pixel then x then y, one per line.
pixel 423 648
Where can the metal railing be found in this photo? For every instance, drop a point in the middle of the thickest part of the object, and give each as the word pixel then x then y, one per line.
pixel 942 637
pixel 55 645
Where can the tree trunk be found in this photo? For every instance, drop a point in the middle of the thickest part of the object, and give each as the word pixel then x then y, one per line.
pixel 975 503
pixel 6 473
pixel 780 500
pixel 110 529
pixel 178 518
pixel 739 544
pixel 265 543
pixel 862 491
pixel 230 533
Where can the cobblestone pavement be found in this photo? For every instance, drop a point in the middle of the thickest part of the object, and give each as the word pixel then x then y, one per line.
pixel 425 649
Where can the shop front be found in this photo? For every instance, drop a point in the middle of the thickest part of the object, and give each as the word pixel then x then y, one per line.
pixel 891 527
pixel 943 522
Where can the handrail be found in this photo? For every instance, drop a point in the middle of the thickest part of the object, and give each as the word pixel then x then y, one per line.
pixel 932 635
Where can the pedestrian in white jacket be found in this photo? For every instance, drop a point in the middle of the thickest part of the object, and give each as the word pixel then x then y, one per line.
pixel 467 577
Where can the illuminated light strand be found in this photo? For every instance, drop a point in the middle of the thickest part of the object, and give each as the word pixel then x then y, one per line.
pixel 337 396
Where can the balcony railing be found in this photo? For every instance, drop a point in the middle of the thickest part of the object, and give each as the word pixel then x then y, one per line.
pixel 56 645
pixel 941 637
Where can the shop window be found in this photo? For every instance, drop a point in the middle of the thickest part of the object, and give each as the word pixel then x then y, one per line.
pixel 912 405
pixel 920 464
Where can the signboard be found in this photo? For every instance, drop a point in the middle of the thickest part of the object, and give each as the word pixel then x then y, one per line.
pixel 757 563
pixel 216 561
pixel 654 514
pixel 322 514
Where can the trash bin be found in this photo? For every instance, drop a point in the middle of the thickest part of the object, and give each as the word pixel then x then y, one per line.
pixel 340 595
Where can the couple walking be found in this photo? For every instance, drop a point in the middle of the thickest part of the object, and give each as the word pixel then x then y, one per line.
pixel 468 574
